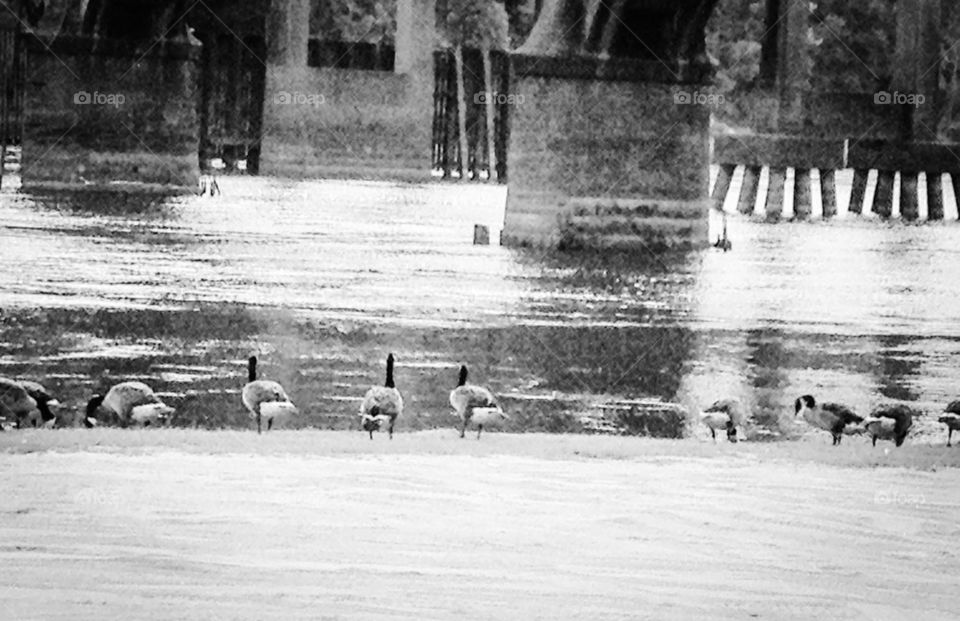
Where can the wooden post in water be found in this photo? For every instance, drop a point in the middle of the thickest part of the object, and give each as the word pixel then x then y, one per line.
pixel 883 198
pixel 774 204
pixel 722 185
pixel 828 192
pixel 802 205
pixel 934 197
pixel 909 202
pixel 748 191
pixel 858 190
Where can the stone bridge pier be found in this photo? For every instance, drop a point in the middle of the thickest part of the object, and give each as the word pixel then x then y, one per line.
pixel 609 143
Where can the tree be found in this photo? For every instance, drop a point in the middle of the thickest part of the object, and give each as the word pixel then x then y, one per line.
pixel 479 24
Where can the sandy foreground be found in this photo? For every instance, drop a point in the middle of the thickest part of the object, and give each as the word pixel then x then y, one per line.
pixel 323 525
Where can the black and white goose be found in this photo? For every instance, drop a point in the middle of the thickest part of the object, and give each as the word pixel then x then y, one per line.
pixel 951 418
pixel 22 401
pixel 381 404
pixel 128 403
pixel 889 423
pixel 725 414
pixel 474 404
pixel 833 417
pixel 265 399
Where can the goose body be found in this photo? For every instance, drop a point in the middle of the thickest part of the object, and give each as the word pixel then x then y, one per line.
pixel 26 402
pixel 889 423
pixel 381 405
pixel 265 399
pixel 726 414
pixel 128 403
pixel 951 418
pixel 474 404
pixel 833 417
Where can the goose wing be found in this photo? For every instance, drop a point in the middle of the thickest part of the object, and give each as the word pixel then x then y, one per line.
pixel 843 414
pixel 14 399
pixel 382 401
pixel 953 407
pixel 468 396
pixel 261 392
pixel 125 396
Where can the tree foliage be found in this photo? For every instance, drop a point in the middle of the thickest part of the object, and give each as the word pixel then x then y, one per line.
pixel 369 21
pixel 475 23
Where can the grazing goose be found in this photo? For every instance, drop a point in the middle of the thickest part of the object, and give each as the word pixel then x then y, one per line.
pixel 951 418
pixel 889 423
pixel 21 401
pixel 381 404
pixel 474 404
pixel 726 414
pixel 832 417
pixel 44 400
pixel 128 403
pixel 265 399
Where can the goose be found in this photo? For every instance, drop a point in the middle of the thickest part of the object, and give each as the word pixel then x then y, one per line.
pixel 128 403
pixel 474 404
pixel 44 400
pixel 951 418
pixel 381 404
pixel 265 399
pixel 833 417
pixel 889 423
pixel 22 400
pixel 725 414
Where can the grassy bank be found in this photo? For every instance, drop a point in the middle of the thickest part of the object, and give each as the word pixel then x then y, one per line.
pixel 855 452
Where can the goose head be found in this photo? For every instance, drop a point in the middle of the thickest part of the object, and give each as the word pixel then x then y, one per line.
pixel 804 404
pixel 93 406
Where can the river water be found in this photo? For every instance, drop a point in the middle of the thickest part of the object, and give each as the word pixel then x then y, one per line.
pixel 322 279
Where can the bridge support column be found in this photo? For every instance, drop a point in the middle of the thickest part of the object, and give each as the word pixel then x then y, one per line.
pixel 354 123
pixel 100 111
pixel 606 154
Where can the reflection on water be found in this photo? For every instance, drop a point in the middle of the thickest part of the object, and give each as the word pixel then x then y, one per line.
pixel 322 279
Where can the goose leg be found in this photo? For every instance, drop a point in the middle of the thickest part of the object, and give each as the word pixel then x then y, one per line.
pixel 390 429
pixel 949 435
pixel 371 433
pixel 874 440
pixel 269 424
pixel 463 429
pixel 258 424
pixel 479 429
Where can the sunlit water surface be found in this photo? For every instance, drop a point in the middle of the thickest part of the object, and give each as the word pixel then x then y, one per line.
pixel 323 279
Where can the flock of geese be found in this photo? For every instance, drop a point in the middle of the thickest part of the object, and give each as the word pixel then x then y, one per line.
pixel 135 404
pixel 891 422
